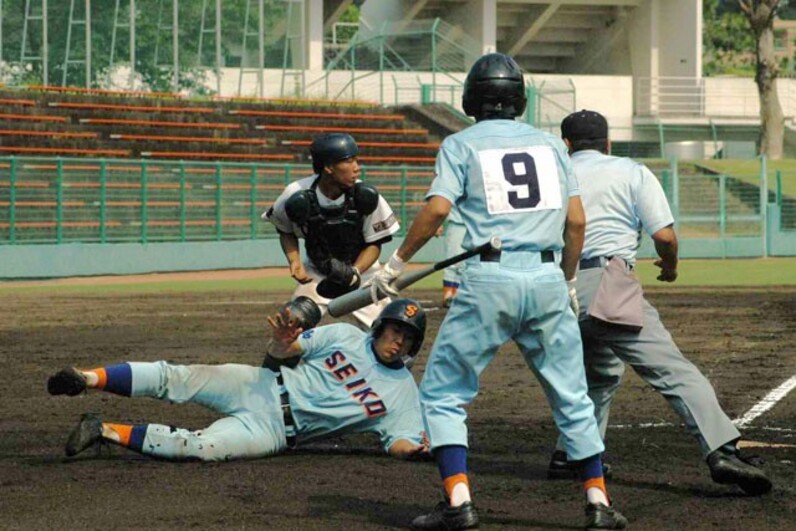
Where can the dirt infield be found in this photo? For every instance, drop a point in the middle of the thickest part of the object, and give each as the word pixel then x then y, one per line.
pixel 743 340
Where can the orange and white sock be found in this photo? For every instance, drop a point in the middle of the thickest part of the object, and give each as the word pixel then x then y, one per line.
pixel 457 488
pixel 596 491
pixel 120 434
pixel 95 378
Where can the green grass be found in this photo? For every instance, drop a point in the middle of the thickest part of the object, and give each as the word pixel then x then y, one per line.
pixel 749 171
pixel 729 272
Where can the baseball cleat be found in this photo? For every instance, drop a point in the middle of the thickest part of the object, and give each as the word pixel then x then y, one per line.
pixel 87 433
pixel 600 516
pixel 561 468
pixel 731 468
pixel 67 381
pixel 447 518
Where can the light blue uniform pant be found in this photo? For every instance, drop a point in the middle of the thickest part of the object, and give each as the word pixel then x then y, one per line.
pixel 521 299
pixel 248 396
pixel 656 359
pixel 454 235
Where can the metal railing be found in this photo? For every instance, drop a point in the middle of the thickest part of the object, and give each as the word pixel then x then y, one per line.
pixel 706 97
pixel 62 200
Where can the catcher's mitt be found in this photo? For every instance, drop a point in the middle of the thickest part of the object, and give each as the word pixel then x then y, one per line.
pixel 341 279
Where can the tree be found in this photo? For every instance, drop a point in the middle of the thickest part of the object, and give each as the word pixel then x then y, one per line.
pixel 760 14
pixel 728 45
pixel 153 48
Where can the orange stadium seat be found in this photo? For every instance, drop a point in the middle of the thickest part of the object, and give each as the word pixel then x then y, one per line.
pixel 164 138
pixel 155 123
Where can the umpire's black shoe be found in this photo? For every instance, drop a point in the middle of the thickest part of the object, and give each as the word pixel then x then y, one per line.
pixel 600 516
pixel 447 518
pixel 87 433
pixel 66 382
pixel 731 468
pixel 560 468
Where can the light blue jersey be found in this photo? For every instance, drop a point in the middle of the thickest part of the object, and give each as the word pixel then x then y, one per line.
pixel 620 197
pixel 507 179
pixel 511 180
pixel 340 387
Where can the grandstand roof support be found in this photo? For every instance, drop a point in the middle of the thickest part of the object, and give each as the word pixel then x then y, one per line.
pixel 539 20
pixel 175 41
pixel 1 31
pixel 216 31
pixel 44 50
pixel 260 33
pixel 131 27
pixel 86 23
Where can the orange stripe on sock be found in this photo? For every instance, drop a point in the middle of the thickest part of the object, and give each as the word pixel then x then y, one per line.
pixel 102 377
pixel 598 483
pixel 124 431
pixel 451 481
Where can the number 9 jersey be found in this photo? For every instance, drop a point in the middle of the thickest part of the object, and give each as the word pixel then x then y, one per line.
pixel 517 181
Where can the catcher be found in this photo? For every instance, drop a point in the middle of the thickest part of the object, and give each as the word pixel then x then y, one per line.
pixel 343 221
pixel 333 380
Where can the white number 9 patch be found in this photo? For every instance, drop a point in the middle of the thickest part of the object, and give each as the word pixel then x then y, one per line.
pixel 520 179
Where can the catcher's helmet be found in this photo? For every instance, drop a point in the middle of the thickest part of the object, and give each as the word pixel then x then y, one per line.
pixel 330 148
pixel 494 88
pixel 404 312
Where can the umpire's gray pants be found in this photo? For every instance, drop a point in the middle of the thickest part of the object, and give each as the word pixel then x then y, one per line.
pixel 656 359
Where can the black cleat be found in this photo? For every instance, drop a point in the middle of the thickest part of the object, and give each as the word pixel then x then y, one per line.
pixel 560 468
pixel 600 516
pixel 87 433
pixel 731 468
pixel 447 518
pixel 66 382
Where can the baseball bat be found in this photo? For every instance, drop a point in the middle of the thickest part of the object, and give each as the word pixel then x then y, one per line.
pixel 360 298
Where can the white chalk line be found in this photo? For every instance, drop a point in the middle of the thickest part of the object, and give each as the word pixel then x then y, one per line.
pixel 768 401
pixel 646 425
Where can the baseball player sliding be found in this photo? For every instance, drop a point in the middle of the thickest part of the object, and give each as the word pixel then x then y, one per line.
pixel 617 324
pixel 515 182
pixel 346 381
pixel 343 222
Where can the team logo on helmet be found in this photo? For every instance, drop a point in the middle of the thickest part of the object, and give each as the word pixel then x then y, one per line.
pixel 411 310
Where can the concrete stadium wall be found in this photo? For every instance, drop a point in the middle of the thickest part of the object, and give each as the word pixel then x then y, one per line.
pixel 76 259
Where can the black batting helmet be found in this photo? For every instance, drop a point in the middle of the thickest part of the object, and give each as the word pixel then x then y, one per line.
pixel 494 88
pixel 404 312
pixel 304 311
pixel 330 148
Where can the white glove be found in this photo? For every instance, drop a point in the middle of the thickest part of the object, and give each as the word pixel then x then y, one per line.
pixel 573 296
pixel 381 281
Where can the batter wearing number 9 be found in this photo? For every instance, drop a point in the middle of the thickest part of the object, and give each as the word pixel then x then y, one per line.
pixel 515 182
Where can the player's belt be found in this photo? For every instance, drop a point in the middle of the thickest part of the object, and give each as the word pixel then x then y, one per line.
pixel 599 261
pixel 287 415
pixel 494 256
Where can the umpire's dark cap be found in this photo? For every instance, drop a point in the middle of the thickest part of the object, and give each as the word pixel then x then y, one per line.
pixel 584 125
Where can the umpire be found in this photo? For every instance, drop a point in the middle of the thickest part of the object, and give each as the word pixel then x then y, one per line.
pixel 617 324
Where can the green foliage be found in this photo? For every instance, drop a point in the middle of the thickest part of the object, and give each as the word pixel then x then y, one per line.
pixel 153 53
pixel 728 43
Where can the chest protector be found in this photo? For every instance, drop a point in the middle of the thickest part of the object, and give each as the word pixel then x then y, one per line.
pixel 332 232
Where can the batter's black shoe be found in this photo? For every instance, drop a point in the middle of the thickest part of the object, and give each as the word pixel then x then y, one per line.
pixel 447 518
pixel 560 468
pixel 731 468
pixel 87 433
pixel 600 516
pixel 67 381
